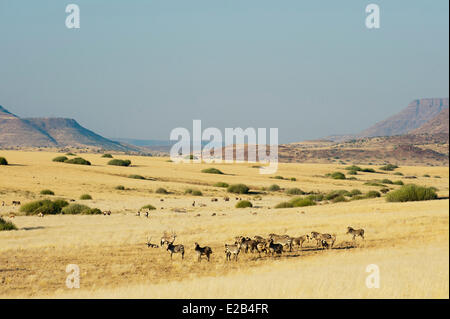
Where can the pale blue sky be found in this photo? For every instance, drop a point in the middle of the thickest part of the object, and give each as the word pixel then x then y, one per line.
pixel 140 68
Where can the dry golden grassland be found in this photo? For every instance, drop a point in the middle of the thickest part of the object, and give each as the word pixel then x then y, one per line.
pixel 408 241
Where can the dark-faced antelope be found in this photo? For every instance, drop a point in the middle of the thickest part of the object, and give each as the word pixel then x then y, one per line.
pixel 202 251
pixel 138 213
pixel 107 213
pixel 355 232
pixel 15 202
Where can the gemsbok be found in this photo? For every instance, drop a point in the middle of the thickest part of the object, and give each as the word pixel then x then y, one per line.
pixel 150 245
pixel 202 251
pixel 175 249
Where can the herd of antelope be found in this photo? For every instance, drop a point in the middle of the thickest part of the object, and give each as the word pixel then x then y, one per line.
pixel 273 245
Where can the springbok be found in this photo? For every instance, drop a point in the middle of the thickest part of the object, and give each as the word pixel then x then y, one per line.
pixel 202 251
pixel 355 232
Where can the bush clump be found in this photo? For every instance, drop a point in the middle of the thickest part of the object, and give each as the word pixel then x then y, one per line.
pixel 284 205
pixel 161 191
pixel 85 197
pixel 193 192
pixel 136 176
pixel 79 209
pixel 293 179
pixel 60 159
pixel 411 192
pixel 355 192
pixel 77 160
pixel 47 192
pixel 212 170
pixel 244 204
pixel 372 194
pixel 44 206
pixel 398 173
pixel 398 183
pixel 278 177
pixel 107 155
pixel 149 207
pixel 336 175
pixel 386 181
pixel 353 168
pixel 119 162
pixel 339 198
pixel 388 167
pixel 368 170
pixel 301 202
pixel 120 187
pixel 3 161
pixel 238 189
pixel 274 188
pixel 6 225
pixel 221 184
pixel 294 191
pixel 70 154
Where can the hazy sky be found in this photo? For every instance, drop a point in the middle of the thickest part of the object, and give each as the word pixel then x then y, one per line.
pixel 138 69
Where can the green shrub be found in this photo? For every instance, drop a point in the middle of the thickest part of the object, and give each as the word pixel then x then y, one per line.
pixel 278 177
pixel 294 191
pixel 221 184
pixel 301 202
pixel 161 191
pixel 47 192
pixel 437 176
pixel 357 197
pixel 120 187
pixel 149 207
pixel 194 192
pixel 372 194
pixel 134 176
pixel 284 205
pixel 398 173
pixel 45 206
pixel 211 170
pixel 274 188
pixel 6 225
pixel 107 155
pixel 398 183
pixel 119 162
pixel 85 197
pixel 374 184
pixel 338 199
pixel 352 173
pixel 386 181
pixel 76 209
pixel 426 175
pixel 3 161
pixel 368 170
pixel 60 159
pixel 353 168
pixel 333 194
pixel 337 175
pixel 411 192
pixel 388 167
pixel 77 160
pixel 355 192
pixel 293 179
pixel 70 154
pixel 243 204
pixel 238 189
pixel 316 197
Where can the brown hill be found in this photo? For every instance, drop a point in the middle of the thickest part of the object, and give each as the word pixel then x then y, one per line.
pixel 52 132
pixel 438 124
pixel 412 117
pixel 16 132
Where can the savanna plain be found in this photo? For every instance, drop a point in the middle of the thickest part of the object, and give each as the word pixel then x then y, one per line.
pixel 408 241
